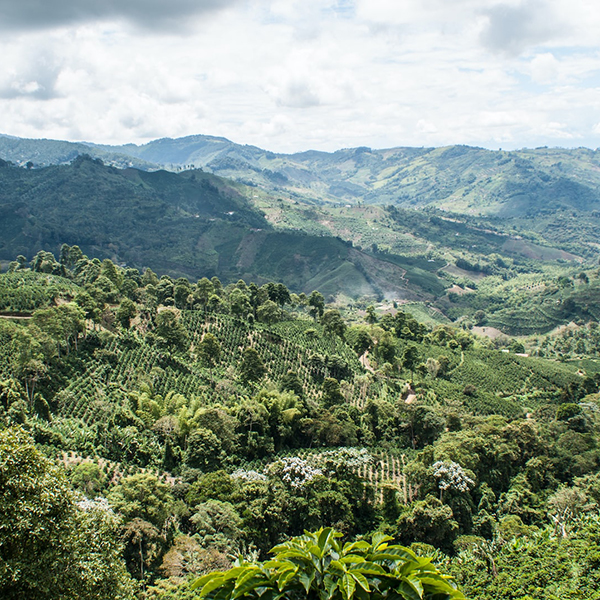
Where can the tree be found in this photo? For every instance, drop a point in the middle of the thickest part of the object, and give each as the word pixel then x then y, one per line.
pixel 268 312
pixel 290 381
pixel 362 342
pixel 451 476
pixel 425 424
pixel 316 303
pixel 149 278
pixel 385 350
pixel 204 290
pixel 410 359
pixel 331 392
pixel 143 496
pixel 125 313
pixel 282 295
pixel 88 478
pixel 170 331
pixel 181 292
pixel 428 521
pixel 333 323
pixel 203 450
pixel 109 270
pixel 29 357
pixel 53 547
pixel 209 350
pixel 316 565
pixel 370 315
pixel 252 367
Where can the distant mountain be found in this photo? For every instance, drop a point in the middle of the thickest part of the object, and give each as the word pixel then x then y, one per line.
pixel 191 224
pixel 461 179
pixel 44 153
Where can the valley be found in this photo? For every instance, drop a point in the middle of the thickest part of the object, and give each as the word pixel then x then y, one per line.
pixel 207 349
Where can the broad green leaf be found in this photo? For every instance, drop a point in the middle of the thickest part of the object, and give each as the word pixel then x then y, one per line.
pixel 212 585
pixel 205 578
pixel 371 568
pixel 362 545
pixel 325 537
pixel 330 584
pixel 285 577
pixel 402 552
pixel 347 586
pixel 235 572
pixel 248 585
pixel 379 538
pixel 224 593
pixel 385 556
pixel 425 561
pixel 305 580
pixel 407 568
pixel 416 585
pixel 294 555
pixel 337 566
pixel 361 580
pixel 316 551
pixel 271 594
pixel 407 590
pixel 352 558
pixel 434 579
pixel 251 572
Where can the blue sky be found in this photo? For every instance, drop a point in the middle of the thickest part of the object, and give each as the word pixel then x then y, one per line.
pixel 312 74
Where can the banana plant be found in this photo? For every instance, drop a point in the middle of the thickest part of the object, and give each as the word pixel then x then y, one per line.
pixel 318 566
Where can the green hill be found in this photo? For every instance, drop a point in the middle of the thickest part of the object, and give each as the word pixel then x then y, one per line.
pixel 186 224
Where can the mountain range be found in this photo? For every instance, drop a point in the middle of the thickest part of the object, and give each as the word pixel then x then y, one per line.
pixel 457 178
pixel 403 223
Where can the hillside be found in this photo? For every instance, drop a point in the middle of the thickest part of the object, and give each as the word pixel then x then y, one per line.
pixel 174 424
pixel 461 179
pixel 548 193
pixel 189 224
pixel 193 223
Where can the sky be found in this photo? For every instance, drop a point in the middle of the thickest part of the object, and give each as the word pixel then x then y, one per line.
pixel 289 75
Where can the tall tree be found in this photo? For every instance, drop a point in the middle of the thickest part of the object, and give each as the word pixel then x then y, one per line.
pixel 51 546
pixel 252 367
pixel 333 323
pixel 316 303
pixel 125 313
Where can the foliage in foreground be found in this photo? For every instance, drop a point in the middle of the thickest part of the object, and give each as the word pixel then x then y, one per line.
pixel 317 565
pixel 51 545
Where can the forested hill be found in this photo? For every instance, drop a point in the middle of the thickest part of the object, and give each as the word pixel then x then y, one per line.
pixel 457 178
pixel 152 428
pixel 189 223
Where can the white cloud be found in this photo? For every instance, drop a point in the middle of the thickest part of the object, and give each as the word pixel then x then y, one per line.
pixel 27 15
pixel 544 68
pixel 513 27
pixel 291 75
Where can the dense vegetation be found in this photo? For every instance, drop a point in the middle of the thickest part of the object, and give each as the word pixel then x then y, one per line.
pixel 189 224
pixel 169 425
pixel 523 183
pixel 440 391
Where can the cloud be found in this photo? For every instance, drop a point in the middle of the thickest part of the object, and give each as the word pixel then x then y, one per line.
pixel 27 15
pixel 545 68
pixel 297 94
pixel 33 75
pixel 513 27
pixel 289 75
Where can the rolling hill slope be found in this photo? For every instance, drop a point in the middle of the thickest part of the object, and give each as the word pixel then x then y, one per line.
pixel 190 224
